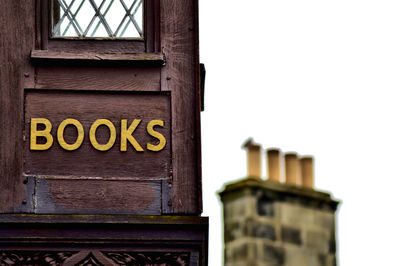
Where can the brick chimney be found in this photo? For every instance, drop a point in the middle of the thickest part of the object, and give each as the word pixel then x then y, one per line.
pixel 281 221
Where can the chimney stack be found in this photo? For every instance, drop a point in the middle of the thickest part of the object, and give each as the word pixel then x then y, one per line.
pixel 280 221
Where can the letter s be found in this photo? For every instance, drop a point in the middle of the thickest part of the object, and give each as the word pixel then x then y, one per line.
pixel 157 135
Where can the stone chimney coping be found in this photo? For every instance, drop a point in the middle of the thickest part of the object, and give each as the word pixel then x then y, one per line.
pixel 279 190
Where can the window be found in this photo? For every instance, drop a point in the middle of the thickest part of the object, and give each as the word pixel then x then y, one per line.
pixel 97 18
pixel 100 26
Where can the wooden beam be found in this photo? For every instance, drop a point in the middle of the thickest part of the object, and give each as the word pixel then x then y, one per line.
pixel 17 39
pixel 179 39
pixel 48 57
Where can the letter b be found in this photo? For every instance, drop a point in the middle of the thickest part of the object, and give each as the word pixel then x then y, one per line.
pixel 35 133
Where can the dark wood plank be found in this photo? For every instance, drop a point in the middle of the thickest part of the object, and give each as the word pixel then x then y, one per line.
pixel 17 35
pixel 157 42
pixel 98 196
pixel 198 104
pixel 149 25
pixel 76 45
pixel 180 76
pixel 98 78
pixel 86 160
pixel 43 17
pixel 46 54
pixel 109 220
pixel 80 58
pixel 38 25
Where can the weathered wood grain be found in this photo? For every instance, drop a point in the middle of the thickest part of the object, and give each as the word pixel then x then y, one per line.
pixel 117 46
pixel 179 38
pixel 98 78
pixel 17 34
pixel 198 105
pixel 130 221
pixel 42 16
pixel 60 57
pixel 86 108
pixel 98 196
pixel 152 25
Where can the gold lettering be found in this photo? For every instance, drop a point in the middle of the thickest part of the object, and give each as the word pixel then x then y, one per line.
pixel 35 133
pixel 92 134
pixel 126 134
pixel 157 135
pixel 60 134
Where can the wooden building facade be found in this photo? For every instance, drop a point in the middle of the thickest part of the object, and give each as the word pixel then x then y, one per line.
pixel 100 131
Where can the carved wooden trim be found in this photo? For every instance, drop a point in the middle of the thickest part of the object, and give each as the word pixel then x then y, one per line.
pixel 153 258
pixel 28 257
pixel 24 257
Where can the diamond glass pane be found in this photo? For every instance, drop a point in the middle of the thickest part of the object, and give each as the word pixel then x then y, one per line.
pixel 97 18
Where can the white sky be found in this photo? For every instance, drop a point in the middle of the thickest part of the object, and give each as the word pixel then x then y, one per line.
pixel 319 78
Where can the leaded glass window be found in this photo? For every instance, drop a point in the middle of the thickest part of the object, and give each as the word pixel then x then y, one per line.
pixel 97 18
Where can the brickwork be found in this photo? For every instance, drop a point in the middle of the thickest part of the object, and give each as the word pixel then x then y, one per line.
pixel 273 224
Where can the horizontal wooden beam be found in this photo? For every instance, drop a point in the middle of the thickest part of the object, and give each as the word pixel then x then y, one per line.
pixel 47 57
pixel 102 219
pixel 107 239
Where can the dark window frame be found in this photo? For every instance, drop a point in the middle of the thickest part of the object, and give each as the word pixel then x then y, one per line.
pixel 148 44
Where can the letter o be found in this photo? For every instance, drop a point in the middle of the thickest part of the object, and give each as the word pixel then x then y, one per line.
pixel 60 134
pixel 92 134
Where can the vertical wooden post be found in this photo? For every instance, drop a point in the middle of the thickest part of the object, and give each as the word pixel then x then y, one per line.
pixel 292 169
pixel 274 164
pixel 15 74
pixel 307 171
pixel 253 158
pixel 180 76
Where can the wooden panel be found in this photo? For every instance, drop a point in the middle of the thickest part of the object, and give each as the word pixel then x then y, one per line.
pixel 98 196
pixel 87 107
pixel 98 78
pixel 179 37
pixel 16 40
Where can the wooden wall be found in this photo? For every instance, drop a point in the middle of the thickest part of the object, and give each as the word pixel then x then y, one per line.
pixel 30 65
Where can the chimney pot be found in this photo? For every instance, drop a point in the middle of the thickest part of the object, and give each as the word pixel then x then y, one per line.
pixel 274 164
pixel 307 171
pixel 292 169
pixel 253 158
